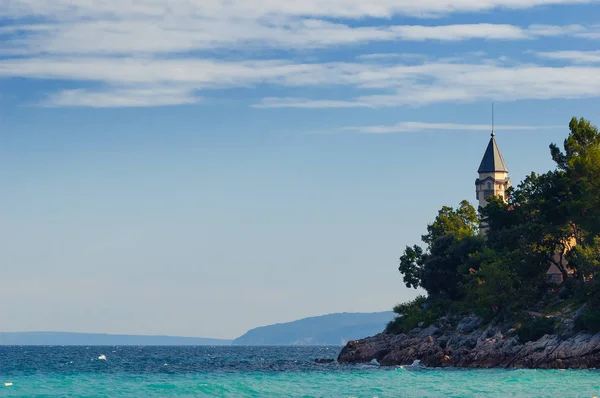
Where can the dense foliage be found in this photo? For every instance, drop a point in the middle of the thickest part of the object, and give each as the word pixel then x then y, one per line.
pixel 552 218
pixel 532 328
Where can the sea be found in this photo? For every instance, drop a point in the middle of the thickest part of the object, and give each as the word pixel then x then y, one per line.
pixel 232 371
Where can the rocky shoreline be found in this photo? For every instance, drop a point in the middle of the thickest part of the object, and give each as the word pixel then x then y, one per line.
pixel 471 346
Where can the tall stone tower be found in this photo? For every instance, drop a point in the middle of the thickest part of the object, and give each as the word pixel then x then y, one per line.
pixel 493 174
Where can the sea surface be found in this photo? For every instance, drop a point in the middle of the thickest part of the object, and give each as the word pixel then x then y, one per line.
pixel 258 372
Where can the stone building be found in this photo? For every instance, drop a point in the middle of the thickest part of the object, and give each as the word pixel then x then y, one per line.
pixel 493 174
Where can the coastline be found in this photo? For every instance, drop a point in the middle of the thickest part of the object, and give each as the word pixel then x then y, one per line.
pixel 494 346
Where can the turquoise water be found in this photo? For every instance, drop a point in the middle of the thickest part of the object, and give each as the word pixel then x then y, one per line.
pixel 258 372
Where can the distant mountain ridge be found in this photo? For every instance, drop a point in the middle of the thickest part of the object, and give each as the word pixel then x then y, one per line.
pixel 69 338
pixel 331 329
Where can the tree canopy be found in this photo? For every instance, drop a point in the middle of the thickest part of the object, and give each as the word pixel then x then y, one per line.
pixel 460 222
pixel 450 240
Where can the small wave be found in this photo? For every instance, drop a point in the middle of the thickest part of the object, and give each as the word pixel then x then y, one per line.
pixel 416 365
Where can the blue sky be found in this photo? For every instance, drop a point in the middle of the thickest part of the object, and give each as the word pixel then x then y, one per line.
pixel 204 167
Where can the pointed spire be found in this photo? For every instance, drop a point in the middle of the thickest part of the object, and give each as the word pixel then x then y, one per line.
pixel 493 120
pixel 492 159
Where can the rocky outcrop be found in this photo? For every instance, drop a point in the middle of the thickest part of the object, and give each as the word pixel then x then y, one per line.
pixel 472 346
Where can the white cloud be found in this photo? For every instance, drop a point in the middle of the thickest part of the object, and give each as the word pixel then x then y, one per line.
pixel 196 73
pixel 184 35
pixel 589 32
pixel 438 82
pixel 76 9
pixel 408 127
pixel 387 56
pixel 137 97
pixel 122 46
pixel 87 27
pixel 374 84
pixel 460 32
pixel 560 30
pixel 275 102
pixel 578 57
pixel 592 33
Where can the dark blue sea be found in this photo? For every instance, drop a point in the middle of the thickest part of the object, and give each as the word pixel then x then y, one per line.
pixel 258 372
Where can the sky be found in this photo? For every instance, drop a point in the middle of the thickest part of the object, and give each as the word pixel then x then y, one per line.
pixel 203 167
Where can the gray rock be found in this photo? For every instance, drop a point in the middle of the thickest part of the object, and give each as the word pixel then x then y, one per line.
pixel 438 346
pixel 468 324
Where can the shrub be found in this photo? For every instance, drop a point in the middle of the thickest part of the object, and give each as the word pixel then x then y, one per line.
pixel 565 293
pixel 591 291
pixel 589 320
pixel 494 287
pixel 411 314
pixel 533 328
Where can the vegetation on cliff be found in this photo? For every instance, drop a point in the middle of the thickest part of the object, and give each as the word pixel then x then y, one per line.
pixel 500 270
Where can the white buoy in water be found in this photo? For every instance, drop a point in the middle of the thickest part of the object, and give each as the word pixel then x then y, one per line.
pixel 102 357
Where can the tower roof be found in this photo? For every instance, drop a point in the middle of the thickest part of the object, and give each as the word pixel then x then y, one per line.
pixel 492 159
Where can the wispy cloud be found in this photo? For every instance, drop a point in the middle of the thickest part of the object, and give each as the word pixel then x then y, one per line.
pixel 275 102
pixel 561 30
pixel 112 27
pixel 388 56
pixel 430 83
pixel 118 97
pixel 578 57
pixel 409 127
pixel 154 52
pixel 375 84
pixel 74 9
pixel 122 36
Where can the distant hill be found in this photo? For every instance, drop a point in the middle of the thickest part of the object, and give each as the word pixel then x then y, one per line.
pixel 332 329
pixel 67 338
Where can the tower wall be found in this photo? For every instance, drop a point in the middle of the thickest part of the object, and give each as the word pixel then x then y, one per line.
pixel 491 184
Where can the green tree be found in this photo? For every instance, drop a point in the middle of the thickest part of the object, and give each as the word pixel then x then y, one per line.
pixel 442 276
pixel 493 288
pixel 585 258
pixel 460 222
pixel 411 266
pixel 580 163
pixel 535 223
pixel 451 239
pixel 583 136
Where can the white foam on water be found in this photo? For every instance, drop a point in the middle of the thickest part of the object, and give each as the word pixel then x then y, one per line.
pixel 413 366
